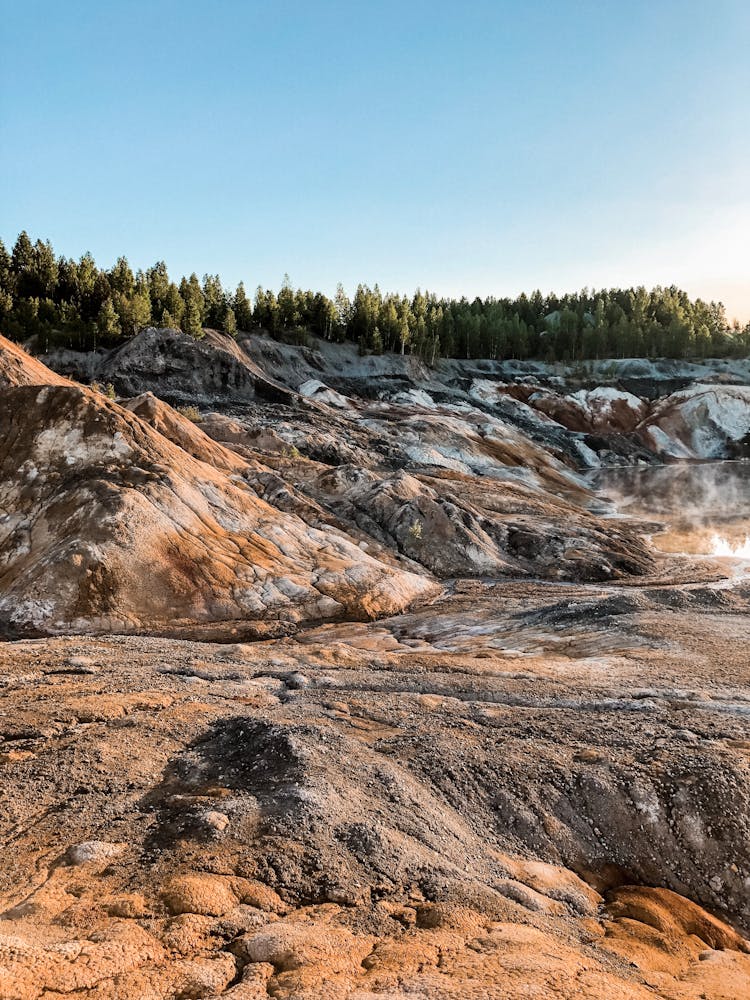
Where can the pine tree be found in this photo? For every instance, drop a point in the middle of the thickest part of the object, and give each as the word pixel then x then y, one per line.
pixel 121 278
pixel 174 306
pixel 288 312
pixel 22 257
pixel 230 323
pixel 44 269
pixel 214 301
pixel 107 322
pixel 243 311
pixel 192 320
pixel 403 331
pixel 192 295
pixel 86 295
pixel 343 311
pixel 158 287
pixel 266 312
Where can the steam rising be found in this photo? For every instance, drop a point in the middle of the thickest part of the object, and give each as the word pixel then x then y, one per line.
pixel 722 546
pixel 700 495
pixel 703 509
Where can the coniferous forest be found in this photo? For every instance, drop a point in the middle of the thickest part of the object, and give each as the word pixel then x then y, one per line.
pixel 61 302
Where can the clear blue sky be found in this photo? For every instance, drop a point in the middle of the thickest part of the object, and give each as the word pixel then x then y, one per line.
pixel 476 147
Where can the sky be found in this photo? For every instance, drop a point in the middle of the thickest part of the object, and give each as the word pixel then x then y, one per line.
pixel 468 148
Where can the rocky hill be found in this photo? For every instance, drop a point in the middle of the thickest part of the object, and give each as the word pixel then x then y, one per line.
pixel 606 412
pixel 131 517
pixel 112 526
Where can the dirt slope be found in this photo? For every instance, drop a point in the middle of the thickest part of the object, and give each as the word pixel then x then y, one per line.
pixel 111 526
pixel 19 368
pixel 179 367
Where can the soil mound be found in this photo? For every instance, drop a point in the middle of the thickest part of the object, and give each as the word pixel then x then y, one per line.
pixel 111 526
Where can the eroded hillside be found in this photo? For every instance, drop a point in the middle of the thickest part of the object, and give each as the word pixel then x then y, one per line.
pixel 345 683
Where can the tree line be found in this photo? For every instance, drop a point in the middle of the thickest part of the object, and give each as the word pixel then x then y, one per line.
pixel 59 301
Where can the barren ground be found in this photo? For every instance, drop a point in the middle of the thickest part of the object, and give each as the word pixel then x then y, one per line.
pixel 466 735
pixel 490 796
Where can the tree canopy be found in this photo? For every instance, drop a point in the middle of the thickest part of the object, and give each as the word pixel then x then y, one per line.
pixel 60 301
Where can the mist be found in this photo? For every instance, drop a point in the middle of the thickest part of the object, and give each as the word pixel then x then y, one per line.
pixel 697 508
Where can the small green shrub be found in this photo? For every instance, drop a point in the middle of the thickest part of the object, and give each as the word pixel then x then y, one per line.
pixel 190 413
pixel 107 390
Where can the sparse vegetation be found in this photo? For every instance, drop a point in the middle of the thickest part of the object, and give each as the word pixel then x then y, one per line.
pixel 190 413
pixel 107 390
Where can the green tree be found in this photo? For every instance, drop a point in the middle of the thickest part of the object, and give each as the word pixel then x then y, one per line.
pixel 266 311
pixel 108 322
pixel 44 269
pixel 6 273
pixel 22 264
pixel 133 311
pixel 288 312
pixel 343 308
pixel 121 278
pixel 403 330
pixel 230 323
pixel 6 305
pixel 214 301
pixel 158 287
pixel 90 293
pixel 174 307
pixel 243 311
pixel 192 295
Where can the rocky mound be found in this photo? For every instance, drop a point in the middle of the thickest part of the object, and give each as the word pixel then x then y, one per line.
pixel 461 493
pixel 110 526
pixel 704 422
pixel 178 367
pixel 603 410
pixel 184 432
pixel 19 368
pixel 456 525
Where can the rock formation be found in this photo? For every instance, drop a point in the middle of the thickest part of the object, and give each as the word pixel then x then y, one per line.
pixel 342 682
pixel 110 525
pixel 704 421
pixel 184 368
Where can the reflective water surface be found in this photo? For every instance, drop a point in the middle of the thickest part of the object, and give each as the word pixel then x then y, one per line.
pixel 702 508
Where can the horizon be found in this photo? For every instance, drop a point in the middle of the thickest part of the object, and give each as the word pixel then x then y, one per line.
pixel 467 153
